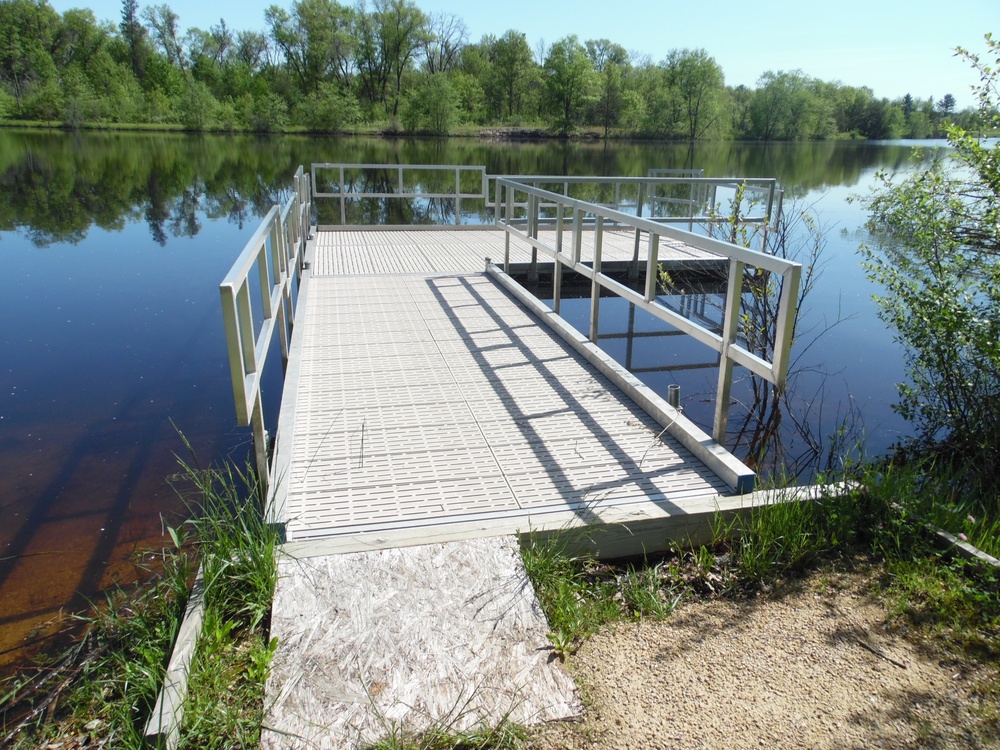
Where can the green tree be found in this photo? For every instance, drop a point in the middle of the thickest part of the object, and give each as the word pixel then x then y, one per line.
pixel 162 23
pixel 698 81
pixel 782 107
pixel 611 63
pixel 134 34
pixel 947 104
pixel 27 28
pixel 509 72
pixel 442 45
pixel 329 110
pixel 938 262
pixel 432 107
pixel 316 40
pixel 569 82
pixel 388 39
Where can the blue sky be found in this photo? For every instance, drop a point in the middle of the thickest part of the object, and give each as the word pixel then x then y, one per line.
pixel 892 46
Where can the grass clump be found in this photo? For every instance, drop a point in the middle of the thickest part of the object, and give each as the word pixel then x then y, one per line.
pixel 580 594
pixel 506 735
pixel 101 692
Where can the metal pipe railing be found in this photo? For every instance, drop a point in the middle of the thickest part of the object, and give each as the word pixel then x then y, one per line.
pixel 275 251
pixel 346 177
pixel 519 219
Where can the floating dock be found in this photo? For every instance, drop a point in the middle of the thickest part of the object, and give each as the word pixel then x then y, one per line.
pixel 433 415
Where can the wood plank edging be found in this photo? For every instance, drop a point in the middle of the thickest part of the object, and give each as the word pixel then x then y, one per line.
pixel 164 725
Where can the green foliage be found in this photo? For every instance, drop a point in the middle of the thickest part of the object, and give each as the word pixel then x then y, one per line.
pixel 262 114
pixel 570 83
pixel 197 108
pixel 140 68
pixel 432 108
pixel 937 268
pixel 697 79
pixel 8 105
pixel 329 110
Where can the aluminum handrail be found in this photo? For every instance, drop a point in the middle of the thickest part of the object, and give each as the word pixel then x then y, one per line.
pixel 343 194
pixel 732 352
pixel 770 202
pixel 276 250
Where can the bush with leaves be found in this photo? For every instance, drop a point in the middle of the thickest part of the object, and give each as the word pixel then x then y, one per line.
pixel 936 260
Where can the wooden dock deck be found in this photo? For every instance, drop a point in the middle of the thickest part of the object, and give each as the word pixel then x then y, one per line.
pixel 428 417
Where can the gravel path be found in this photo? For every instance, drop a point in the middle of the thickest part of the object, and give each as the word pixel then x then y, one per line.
pixel 817 668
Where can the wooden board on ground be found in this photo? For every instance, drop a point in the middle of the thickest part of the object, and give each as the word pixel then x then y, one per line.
pixel 449 633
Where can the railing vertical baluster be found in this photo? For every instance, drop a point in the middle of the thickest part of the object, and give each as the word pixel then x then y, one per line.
pixel 533 234
pixel 652 266
pixel 264 271
pixel 260 441
pixel 577 235
pixel 785 326
pixel 595 287
pixel 730 329
pixel 244 317
pixel 558 261
pixel 343 199
pixel 509 190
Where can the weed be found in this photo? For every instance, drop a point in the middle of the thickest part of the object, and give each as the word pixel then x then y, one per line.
pixel 451 731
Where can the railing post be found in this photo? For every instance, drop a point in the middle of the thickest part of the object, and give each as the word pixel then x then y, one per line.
pixel 730 329
pixel 236 349
pixel 343 200
pixel 533 234
pixel 595 287
pixel 260 447
pixel 558 263
pixel 652 266
pixel 577 235
pixel 509 190
pixel 784 328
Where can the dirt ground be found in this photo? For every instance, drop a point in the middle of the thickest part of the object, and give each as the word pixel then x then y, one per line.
pixel 818 667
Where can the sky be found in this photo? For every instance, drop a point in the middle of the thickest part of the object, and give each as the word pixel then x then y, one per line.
pixel 894 47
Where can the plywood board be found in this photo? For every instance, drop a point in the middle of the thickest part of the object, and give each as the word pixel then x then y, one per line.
pixel 449 633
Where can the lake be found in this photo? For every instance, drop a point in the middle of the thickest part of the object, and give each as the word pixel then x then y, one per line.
pixel 113 247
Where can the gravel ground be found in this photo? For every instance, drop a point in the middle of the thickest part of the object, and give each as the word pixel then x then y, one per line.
pixel 815 668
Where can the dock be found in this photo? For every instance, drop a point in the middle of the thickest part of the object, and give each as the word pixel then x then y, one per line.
pixel 433 415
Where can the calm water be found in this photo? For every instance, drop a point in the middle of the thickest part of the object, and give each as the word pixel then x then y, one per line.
pixel 112 249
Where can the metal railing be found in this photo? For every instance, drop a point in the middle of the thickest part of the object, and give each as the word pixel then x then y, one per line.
pixel 275 251
pixel 349 182
pixel 513 193
pixel 681 196
pixel 687 199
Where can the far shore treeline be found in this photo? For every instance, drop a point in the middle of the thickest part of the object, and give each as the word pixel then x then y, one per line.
pixel 319 66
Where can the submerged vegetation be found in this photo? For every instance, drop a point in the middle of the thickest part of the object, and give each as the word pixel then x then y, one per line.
pixel 101 693
pixel 323 66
